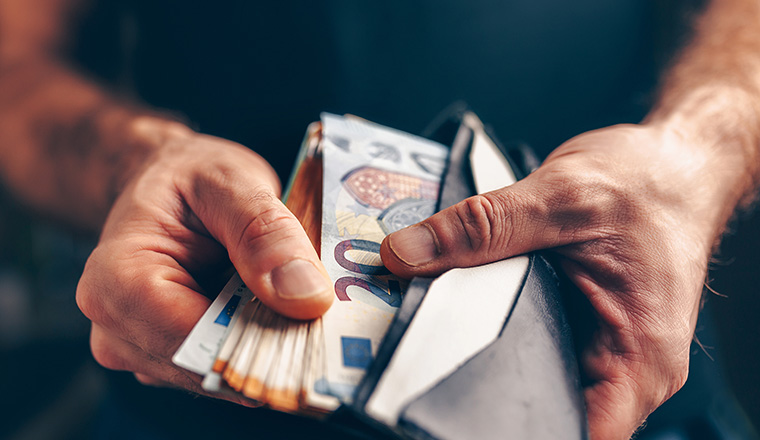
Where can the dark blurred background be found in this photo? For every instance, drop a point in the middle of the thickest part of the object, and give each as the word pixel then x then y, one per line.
pixel 51 387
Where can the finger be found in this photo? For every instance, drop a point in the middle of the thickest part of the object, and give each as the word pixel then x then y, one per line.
pixel 147 299
pixel 614 401
pixel 629 381
pixel 116 354
pixel 529 215
pixel 152 381
pixel 225 394
pixel 613 410
pixel 266 243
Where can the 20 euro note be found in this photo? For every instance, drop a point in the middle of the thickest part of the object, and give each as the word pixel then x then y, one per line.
pixel 376 181
pixel 198 351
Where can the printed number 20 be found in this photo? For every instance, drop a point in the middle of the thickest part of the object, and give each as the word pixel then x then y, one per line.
pixel 391 296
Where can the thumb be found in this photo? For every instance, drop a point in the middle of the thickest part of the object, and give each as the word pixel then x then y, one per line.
pixel 266 244
pixel 481 229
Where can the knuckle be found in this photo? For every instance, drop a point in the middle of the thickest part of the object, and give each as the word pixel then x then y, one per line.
pixel 86 296
pixel 181 380
pixel 476 215
pixel 128 306
pixel 106 292
pixel 104 355
pixel 160 331
pixel 160 345
pixel 154 339
pixel 215 179
pixel 147 380
pixel 487 223
pixel 272 221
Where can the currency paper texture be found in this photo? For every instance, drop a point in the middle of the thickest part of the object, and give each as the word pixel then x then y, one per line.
pixel 376 181
pixel 366 181
pixel 198 351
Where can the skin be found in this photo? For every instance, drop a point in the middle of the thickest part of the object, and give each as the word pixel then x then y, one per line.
pixel 169 203
pixel 155 242
pixel 631 211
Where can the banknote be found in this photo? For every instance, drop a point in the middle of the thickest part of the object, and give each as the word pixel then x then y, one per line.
pixel 199 350
pixel 355 182
pixel 376 181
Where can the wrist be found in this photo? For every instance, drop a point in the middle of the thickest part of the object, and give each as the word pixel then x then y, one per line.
pixel 722 122
pixel 717 166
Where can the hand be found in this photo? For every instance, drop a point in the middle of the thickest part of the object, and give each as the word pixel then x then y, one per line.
pixel 197 203
pixel 632 213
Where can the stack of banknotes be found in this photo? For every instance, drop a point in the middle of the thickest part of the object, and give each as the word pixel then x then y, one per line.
pixel 355 183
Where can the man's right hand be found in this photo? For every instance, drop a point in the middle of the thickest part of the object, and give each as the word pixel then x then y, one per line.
pixel 196 202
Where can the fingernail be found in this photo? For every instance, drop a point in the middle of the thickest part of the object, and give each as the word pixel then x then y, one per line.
pixel 414 246
pixel 298 279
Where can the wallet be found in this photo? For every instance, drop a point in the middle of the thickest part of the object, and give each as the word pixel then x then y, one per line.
pixel 520 379
pixel 476 353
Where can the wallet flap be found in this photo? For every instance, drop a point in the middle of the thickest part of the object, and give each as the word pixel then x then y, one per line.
pixel 520 382
pixel 525 385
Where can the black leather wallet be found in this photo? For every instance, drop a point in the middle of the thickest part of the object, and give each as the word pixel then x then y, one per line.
pixel 523 384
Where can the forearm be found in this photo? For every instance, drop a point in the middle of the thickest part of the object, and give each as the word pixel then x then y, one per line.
pixel 66 146
pixel 711 96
